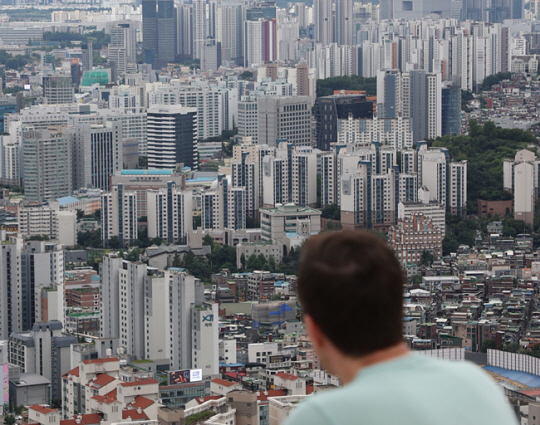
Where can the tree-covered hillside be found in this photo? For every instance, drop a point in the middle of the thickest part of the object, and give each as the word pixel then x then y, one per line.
pixel 327 86
pixel 485 148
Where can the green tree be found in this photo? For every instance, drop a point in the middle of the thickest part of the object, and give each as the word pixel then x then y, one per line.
pixel 327 86
pixel 114 242
pixel 491 80
pixel 9 420
pixel 271 263
pixel 207 240
pixel 332 212
pixel 417 279
pixel 487 344
pixel 252 263
pixel 80 214
pixel 12 63
pixel 243 261
pixel 157 241
pixel 176 261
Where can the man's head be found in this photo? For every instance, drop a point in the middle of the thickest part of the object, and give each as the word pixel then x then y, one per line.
pixel 350 285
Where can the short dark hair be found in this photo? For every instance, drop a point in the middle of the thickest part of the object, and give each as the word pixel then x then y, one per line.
pixel 351 284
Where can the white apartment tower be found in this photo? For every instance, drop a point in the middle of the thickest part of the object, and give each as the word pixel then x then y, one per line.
pixel 224 206
pixel 245 173
pixel 229 31
pixel 119 215
pixel 185 292
pixel 290 176
pixel 521 178
pixel 109 271
pixel 324 21
pixel 131 281
pixel 170 215
pixel 344 22
pixel 205 338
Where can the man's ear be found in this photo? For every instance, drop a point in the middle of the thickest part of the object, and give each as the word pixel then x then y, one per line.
pixel 316 335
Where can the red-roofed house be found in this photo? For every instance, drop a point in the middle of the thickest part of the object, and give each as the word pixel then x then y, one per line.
pixel 222 387
pixel 99 374
pixel 112 399
pixel 38 414
pixel 89 419
pixel 292 383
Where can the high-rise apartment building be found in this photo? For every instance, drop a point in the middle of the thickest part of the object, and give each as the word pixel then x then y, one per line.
pixel 172 137
pixel 290 176
pixel 344 22
pixel 245 173
pixel 204 13
pixel 211 104
pixel 260 41
pixel 119 215
pixel 159 314
pixel 416 95
pixel 521 178
pixel 224 206
pixel 323 17
pixel 184 29
pixel 170 215
pixel 47 164
pixel 329 109
pixel 229 32
pixel 42 263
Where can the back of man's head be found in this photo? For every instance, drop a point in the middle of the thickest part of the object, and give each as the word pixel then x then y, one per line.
pixel 351 285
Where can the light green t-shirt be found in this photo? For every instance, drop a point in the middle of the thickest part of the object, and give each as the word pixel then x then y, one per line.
pixel 411 390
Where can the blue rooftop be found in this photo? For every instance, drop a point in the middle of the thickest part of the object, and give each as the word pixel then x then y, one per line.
pixel 231 364
pixel 146 172
pixel 525 378
pixel 66 200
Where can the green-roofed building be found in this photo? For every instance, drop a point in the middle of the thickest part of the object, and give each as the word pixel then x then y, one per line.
pixel 99 76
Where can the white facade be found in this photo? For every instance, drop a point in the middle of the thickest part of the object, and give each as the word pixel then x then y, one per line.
pixel 205 338
pixel 258 352
pixel 170 214
pixel 131 281
pixel 289 175
pixel 110 295
pixel 119 215
pixel 210 103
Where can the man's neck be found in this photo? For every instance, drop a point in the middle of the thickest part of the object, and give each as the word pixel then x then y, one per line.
pixel 350 366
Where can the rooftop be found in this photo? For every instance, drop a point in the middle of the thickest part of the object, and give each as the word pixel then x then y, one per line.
pixel 146 173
